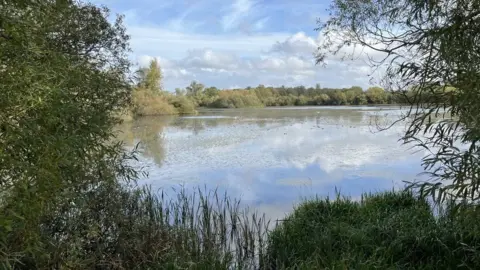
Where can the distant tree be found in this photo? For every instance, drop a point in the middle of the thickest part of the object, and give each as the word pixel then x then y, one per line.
pixel 322 99
pixel 350 95
pixel 338 98
pixel 194 89
pixel 140 75
pixel 356 89
pixel 151 78
pixel 301 101
pixel 317 86
pixel 360 99
pixel 179 92
pixel 211 92
pixel 301 90
pixel 376 95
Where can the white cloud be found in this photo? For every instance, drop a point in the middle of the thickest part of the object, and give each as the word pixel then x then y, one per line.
pixel 298 43
pixel 271 64
pixel 241 60
pixel 144 60
pixel 238 42
pixel 179 73
pixel 335 143
pixel 153 40
pixel 238 10
pixel 207 58
pixel 291 64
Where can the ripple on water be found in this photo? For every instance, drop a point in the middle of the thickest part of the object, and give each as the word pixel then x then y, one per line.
pixel 279 155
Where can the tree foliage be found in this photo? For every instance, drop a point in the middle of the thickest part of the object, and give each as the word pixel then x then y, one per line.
pixel 150 99
pixel 151 78
pixel 293 96
pixel 64 71
pixel 195 89
pixel 424 49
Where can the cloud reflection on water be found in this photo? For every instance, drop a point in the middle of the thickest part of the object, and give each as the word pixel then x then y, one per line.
pixel 273 157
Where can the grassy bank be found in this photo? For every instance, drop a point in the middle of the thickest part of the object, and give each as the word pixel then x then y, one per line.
pixel 381 231
pixel 114 227
pixel 118 228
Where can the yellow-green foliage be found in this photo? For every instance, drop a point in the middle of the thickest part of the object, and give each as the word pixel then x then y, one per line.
pixel 183 105
pixel 146 102
pixel 149 99
pixel 290 96
pixel 237 99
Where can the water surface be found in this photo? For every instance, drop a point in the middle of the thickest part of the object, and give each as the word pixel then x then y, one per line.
pixel 272 157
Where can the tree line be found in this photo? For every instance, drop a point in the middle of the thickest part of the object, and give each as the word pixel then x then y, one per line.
pixel 150 97
pixel 286 96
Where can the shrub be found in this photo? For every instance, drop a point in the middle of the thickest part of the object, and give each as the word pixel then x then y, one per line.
pixel 183 105
pixel 146 102
pixel 236 99
pixel 222 102
pixel 301 101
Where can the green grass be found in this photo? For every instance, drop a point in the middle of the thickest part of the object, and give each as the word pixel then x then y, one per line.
pixel 392 230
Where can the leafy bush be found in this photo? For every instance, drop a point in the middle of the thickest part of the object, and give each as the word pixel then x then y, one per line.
pixel 293 96
pixel 150 99
pixel 183 105
pixel 301 101
pixel 64 82
pixel 222 102
pixel 147 102
pixel 236 99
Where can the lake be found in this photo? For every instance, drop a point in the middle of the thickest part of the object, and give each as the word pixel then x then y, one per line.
pixel 271 158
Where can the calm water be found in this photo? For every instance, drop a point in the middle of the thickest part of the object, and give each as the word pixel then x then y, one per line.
pixel 272 157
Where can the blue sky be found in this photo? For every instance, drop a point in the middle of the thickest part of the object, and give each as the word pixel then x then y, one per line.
pixel 234 43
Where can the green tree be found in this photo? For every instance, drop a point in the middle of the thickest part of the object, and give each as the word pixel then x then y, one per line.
pixel 263 93
pixel 194 89
pixel 179 92
pixel 425 46
pixel 350 96
pixel 211 92
pixel 338 98
pixel 64 77
pixel 151 78
pixel 322 99
pixel 376 95
pixel 356 89
pixel 361 99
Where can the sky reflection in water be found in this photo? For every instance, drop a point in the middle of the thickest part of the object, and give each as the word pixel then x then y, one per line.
pixel 271 158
